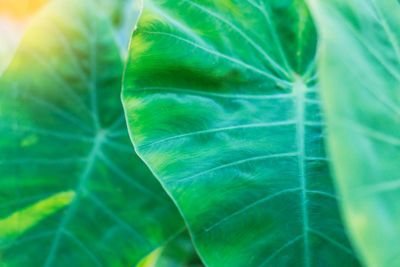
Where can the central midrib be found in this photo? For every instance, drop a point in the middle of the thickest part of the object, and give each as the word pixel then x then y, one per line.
pixel 299 89
pixel 98 141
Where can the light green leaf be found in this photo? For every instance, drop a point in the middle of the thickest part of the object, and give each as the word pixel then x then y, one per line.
pixel 62 128
pixel 360 77
pixel 223 106
pixel 177 252
pixel 20 221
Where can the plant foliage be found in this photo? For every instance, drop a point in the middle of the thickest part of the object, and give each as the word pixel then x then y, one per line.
pixel 221 100
pixel 72 189
pixel 222 103
pixel 361 93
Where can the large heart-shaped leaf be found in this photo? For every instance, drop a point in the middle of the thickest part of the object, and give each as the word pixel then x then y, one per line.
pixel 73 192
pixel 360 76
pixel 223 106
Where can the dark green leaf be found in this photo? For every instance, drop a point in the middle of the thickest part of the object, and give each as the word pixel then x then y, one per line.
pixel 223 106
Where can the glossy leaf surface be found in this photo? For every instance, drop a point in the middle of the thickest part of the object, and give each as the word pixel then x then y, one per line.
pixel 360 77
pixel 223 106
pixel 72 190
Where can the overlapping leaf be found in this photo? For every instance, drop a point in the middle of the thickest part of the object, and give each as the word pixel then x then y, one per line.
pixel 223 105
pixel 360 76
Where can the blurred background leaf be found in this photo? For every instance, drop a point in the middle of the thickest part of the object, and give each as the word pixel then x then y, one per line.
pixel 10 34
pixel 123 15
pixel 62 129
pixel 14 17
pixel 359 68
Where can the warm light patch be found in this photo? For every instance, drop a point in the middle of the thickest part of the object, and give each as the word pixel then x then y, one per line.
pixel 20 9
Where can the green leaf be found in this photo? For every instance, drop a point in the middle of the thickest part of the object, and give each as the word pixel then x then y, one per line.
pixel 123 16
pixel 223 106
pixel 360 77
pixel 20 221
pixel 62 129
pixel 178 252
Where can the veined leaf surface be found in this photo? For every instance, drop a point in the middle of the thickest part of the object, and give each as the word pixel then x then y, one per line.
pixel 360 79
pixel 62 129
pixel 222 104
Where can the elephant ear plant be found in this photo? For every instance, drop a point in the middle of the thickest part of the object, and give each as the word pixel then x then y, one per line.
pixel 72 190
pixel 361 93
pixel 228 165
pixel 222 103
